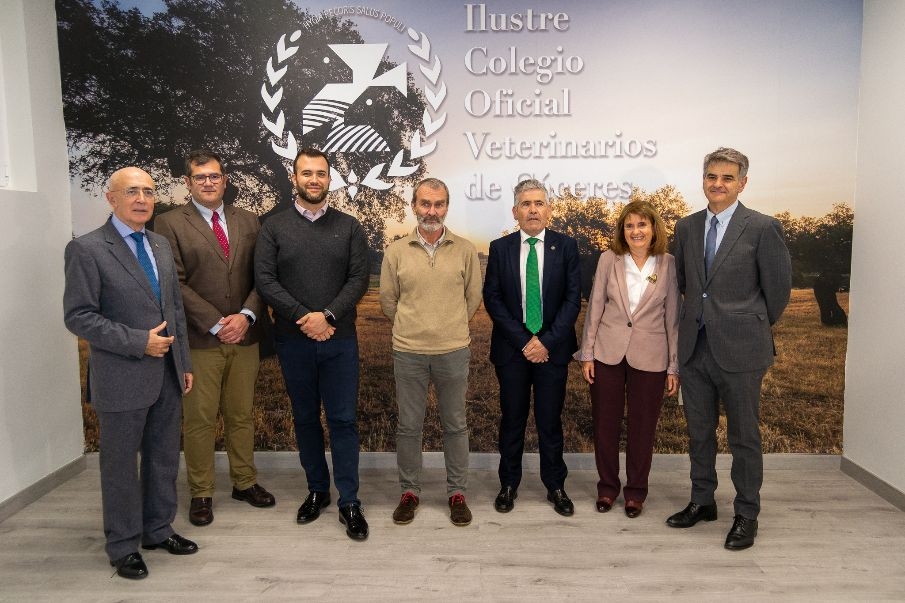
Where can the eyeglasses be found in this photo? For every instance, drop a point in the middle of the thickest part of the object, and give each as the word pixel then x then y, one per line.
pixel 134 192
pixel 200 178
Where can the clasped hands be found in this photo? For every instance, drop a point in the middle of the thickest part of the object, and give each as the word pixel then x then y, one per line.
pixel 315 326
pixel 233 328
pixel 535 351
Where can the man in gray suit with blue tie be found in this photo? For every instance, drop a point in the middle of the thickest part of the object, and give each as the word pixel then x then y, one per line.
pixel 734 271
pixel 122 296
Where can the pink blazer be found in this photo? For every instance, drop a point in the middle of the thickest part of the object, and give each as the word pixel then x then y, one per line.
pixel 647 338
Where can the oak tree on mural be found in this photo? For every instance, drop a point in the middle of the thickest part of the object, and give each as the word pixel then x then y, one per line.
pixel 821 250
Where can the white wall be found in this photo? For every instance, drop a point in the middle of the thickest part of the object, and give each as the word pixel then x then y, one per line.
pixel 874 425
pixel 40 416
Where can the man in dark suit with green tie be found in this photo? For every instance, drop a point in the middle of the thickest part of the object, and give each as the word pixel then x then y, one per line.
pixel 532 292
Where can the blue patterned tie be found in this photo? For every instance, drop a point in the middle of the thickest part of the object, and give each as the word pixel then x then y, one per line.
pixel 710 245
pixel 145 261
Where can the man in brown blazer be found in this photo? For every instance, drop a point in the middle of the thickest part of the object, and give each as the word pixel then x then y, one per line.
pixel 213 245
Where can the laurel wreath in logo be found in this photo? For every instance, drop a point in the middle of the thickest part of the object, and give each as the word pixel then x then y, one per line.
pixel 286 146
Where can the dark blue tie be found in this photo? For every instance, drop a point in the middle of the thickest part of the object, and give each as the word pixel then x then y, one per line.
pixel 710 245
pixel 145 260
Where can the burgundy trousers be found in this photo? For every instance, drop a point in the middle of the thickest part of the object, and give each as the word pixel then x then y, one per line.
pixel 615 389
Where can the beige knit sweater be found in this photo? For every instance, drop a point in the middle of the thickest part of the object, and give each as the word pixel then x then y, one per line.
pixel 430 300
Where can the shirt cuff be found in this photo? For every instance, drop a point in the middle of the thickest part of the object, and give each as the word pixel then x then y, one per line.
pixel 250 314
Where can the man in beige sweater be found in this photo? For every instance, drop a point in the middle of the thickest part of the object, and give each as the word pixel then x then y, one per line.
pixel 430 287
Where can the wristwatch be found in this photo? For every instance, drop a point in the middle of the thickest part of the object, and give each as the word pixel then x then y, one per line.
pixel 331 320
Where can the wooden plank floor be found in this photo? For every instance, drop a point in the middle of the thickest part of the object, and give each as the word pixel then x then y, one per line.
pixel 823 537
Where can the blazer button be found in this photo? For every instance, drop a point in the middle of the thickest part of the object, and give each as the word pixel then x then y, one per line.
pixel 629 324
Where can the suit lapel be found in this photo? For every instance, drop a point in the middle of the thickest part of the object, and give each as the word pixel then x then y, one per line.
pixel 514 250
pixel 735 229
pixel 619 269
pixel 550 255
pixel 127 259
pixel 696 249
pixel 164 261
pixel 234 231
pixel 193 217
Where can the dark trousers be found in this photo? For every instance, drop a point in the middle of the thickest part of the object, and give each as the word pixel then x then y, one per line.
pixel 548 380
pixel 704 384
pixel 140 506
pixel 324 371
pixel 615 388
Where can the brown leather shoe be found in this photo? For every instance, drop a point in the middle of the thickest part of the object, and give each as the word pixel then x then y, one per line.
pixel 633 508
pixel 405 510
pixel 256 496
pixel 201 511
pixel 459 513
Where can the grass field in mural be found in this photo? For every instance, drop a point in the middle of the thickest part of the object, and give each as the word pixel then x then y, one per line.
pixel 801 407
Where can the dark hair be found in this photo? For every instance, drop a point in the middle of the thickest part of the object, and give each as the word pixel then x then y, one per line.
pixel 200 157
pixel 730 156
pixel 658 243
pixel 310 152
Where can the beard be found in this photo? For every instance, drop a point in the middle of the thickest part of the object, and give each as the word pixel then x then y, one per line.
pixel 430 224
pixel 308 198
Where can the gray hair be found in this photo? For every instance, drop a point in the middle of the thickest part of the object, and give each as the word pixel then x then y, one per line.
pixel 432 183
pixel 730 156
pixel 527 185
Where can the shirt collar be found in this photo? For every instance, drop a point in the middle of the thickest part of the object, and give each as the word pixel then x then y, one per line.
pixel 539 236
pixel 122 228
pixel 311 215
pixel 724 216
pixel 423 242
pixel 208 214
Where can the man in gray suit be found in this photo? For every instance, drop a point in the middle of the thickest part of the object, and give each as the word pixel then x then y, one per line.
pixel 734 271
pixel 122 296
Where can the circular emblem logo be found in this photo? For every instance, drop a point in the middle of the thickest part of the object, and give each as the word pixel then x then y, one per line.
pixel 323 117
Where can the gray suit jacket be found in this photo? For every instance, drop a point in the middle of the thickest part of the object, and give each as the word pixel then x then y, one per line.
pixel 745 293
pixel 109 302
pixel 212 285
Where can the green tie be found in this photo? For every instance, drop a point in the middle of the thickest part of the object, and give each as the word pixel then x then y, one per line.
pixel 533 318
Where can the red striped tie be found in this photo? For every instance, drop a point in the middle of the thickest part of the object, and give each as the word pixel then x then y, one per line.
pixel 221 236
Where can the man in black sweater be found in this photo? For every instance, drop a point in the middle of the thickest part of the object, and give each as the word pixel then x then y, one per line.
pixel 311 268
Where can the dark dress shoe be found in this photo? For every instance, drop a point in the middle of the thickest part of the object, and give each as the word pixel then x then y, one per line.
pixel 691 515
pixel 604 504
pixel 175 545
pixel 505 500
pixel 132 566
pixel 201 511
pixel 356 525
pixel 742 534
pixel 311 508
pixel 256 496
pixel 562 504
pixel 633 508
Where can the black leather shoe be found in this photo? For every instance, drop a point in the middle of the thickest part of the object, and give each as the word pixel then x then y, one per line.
pixel 201 511
pixel 311 508
pixel 132 566
pixel 175 545
pixel 256 496
pixel 562 504
pixel 742 534
pixel 505 500
pixel 356 525
pixel 691 515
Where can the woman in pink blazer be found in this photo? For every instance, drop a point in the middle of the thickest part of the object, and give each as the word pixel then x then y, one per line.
pixel 629 350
